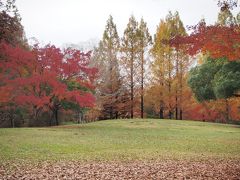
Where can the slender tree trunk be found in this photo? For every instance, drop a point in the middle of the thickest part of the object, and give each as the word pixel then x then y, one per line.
pixel 142 106
pixel 161 105
pixel 169 88
pixel 170 114
pixel 79 117
pixel 51 119
pixel 10 116
pixel 176 107
pixel 181 91
pixel 56 116
pixel 177 78
pixel 111 111
pixel 226 111
pixel 181 114
pixel 207 110
pixel 111 85
pixel 36 113
pixel 142 80
pixel 161 111
pixel 12 120
pixel 131 85
pixel 169 111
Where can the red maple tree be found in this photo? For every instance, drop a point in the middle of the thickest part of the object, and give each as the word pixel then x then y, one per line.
pixel 39 78
pixel 216 40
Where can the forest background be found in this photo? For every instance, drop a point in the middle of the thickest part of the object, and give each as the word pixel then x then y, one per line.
pixel 177 73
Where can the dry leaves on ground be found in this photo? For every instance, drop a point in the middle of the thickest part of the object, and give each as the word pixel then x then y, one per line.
pixel 168 169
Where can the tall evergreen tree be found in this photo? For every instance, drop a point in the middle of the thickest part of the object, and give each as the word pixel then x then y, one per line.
pixel 159 52
pixel 169 66
pixel 180 61
pixel 145 40
pixel 109 85
pixel 130 50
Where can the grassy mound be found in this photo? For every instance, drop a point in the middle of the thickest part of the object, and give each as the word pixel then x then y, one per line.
pixel 122 140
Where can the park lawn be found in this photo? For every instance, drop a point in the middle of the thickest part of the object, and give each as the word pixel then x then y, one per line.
pixel 122 140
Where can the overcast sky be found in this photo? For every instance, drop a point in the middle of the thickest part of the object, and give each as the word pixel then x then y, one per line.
pixel 74 21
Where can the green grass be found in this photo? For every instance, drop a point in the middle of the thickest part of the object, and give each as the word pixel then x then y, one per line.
pixel 122 140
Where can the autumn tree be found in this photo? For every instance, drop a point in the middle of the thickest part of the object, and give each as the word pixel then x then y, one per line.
pixel 12 62
pixel 169 66
pixel 158 67
pixel 181 63
pixel 39 79
pixel 74 73
pixel 130 51
pixel 145 40
pixel 11 32
pixel 109 83
pixel 217 41
pixel 220 45
pixel 216 79
pixel 11 29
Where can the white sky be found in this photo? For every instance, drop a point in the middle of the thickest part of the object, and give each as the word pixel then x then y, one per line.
pixel 73 21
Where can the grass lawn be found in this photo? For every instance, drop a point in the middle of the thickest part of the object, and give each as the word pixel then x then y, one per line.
pixel 122 140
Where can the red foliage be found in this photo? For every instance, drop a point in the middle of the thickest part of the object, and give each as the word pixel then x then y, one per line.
pixel 39 77
pixel 218 41
pixel 199 112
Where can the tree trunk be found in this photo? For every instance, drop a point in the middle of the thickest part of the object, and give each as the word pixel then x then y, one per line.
pixel 176 108
pixel 142 80
pixel 161 111
pixel 51 119
pixel 132 86
pixel 227 111
pixel 111 85
pixel 169 111
pixel 169 87
pixel 111 111
pixel 181 90
pixel 207 110
pixel 36 113
pixel 12 120
pixel 56 116
pixel 10 116
pixel 79 117
pixel 181 114
pixel 170 114
pixel 177 82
